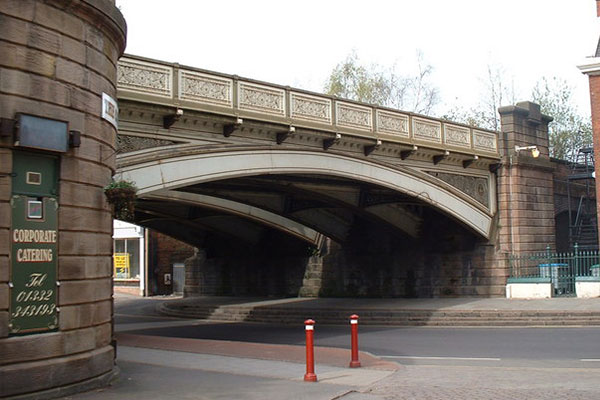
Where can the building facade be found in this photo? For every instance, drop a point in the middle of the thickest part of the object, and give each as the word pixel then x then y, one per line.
pixel 146 262
pixel 58 93
pixel 129 258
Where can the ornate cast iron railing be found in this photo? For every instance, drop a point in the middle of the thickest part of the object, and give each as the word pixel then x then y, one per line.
pixel 562 269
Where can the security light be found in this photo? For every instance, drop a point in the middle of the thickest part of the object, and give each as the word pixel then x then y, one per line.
pixel 535 152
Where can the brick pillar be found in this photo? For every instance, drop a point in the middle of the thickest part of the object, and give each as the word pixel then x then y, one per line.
pixel 58 57
pixel 594 79
pixel 525 184
pixel 591 67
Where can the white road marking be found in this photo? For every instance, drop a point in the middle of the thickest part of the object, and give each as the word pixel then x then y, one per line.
pixel 445 358
pixel 590 359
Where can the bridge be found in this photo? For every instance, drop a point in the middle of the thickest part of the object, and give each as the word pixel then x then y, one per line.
pixel 281 191
pixel 253 170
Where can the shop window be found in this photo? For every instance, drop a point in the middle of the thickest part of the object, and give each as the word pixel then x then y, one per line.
pixel 126 258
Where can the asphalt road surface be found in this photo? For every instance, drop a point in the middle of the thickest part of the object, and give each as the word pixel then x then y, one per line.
pixel 518 347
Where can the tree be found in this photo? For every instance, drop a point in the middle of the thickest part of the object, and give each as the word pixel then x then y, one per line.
pixel 375 85
pixel 353 81
pixel 495 93
pixel 569 131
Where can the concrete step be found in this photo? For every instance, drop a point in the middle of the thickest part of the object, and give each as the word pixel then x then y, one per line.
pixel 295 315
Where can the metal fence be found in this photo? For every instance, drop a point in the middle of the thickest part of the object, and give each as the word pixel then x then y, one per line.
pixel 561 268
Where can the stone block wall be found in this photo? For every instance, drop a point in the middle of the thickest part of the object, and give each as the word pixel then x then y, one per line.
pixel 447 261
pixel 5 223
pixel 273 267
pixel 58 57
pixel 525 184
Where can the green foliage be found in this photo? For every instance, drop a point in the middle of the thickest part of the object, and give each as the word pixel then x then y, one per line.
pixel 353 81
pixel 472 116
pixel 495 93
pixel 121 195
pixel 375 85
pixel 120 185
pixel 569 131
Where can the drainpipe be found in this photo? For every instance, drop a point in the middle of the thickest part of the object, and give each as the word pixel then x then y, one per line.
pixel 510 198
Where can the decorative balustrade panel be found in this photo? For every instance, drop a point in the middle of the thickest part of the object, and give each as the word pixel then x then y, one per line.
pixel 426 130
pixel 393 123
pixel 145 78
pixel 202 90
pixel 311 108
pixel 458 136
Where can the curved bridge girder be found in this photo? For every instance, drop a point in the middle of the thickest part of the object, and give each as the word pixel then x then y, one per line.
pixel 192 229
pixel 265 217
pixel 152 175
pixel 299 197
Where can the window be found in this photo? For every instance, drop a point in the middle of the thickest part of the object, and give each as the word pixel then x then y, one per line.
pixel 126 258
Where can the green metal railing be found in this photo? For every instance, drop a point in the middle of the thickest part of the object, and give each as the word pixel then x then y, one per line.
pixel 561 269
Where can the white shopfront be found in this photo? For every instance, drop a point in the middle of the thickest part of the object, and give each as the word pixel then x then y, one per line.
pixel 129 258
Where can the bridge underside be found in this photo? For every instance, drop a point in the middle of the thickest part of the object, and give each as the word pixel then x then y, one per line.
pixel 314 234
pixel 281 211
pixel 326 205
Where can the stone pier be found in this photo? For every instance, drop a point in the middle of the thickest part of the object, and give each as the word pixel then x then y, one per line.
pixel 57 152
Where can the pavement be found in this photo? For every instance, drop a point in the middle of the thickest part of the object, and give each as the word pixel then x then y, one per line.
pixel 460 303
pixel 182 368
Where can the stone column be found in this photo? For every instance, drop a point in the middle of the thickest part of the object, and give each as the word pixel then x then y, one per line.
pixel 193 273
pixel 312 281
pixel 525 184
pixel 57 58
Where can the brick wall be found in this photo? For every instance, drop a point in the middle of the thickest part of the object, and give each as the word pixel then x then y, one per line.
pixel 57 59
pixel 595 103
pixel 165 251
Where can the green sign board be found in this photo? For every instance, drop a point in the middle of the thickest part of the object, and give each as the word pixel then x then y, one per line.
pixel 34 253
pixel 35 174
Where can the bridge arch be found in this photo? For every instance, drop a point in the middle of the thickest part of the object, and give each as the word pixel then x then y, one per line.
pixel 153 172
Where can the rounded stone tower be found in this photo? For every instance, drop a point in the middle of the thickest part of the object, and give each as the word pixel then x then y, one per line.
pixel 58 63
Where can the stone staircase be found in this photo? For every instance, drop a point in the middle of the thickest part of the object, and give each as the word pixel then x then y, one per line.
pixel 404 317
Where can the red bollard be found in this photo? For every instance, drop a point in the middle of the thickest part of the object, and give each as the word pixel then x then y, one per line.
pixel 310 376
pixel 354 363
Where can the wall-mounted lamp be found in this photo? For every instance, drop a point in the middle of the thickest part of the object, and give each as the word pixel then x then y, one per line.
pixel 281 136
pixel 404 154
pixel 369 149
pixel 438 158
pixel 7 127
pixel 169 120
pixel 327 143
pixel 74 139
pixel 229 128
pixel 535 152
pixel 466 163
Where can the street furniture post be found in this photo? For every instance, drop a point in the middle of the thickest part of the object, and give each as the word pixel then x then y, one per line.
pixel 310 376
pixel 354 363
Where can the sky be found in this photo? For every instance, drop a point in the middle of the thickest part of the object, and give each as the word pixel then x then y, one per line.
pixel 298 43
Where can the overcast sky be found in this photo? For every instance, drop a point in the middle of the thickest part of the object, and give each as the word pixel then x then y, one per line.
pixel 298 43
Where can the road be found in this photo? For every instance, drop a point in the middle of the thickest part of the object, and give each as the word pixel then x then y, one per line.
pixel 437 363
pixel 505 347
